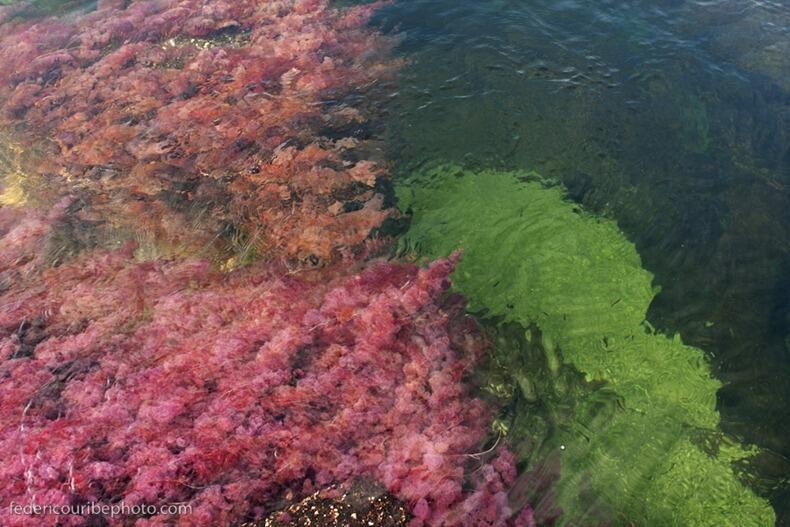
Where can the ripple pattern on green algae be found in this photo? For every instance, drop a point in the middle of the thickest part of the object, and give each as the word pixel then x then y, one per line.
pixel 533 258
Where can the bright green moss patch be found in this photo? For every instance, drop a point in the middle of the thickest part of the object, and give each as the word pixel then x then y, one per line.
pixel 642 448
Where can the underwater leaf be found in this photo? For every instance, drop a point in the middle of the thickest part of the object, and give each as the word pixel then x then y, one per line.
pixel 531 257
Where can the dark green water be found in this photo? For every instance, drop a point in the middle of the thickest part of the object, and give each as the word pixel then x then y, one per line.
pixel 671 117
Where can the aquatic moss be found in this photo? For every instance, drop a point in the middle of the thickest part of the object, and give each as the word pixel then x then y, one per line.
pixel 533 258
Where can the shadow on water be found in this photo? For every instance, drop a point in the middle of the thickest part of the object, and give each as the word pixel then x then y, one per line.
pixel 672 117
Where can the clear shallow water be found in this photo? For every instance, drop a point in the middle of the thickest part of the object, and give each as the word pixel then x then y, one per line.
pixel 672 118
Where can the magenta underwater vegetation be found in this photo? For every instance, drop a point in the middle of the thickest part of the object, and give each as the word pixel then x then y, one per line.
pixel 167 382
pixel 186 371
pixel 227 113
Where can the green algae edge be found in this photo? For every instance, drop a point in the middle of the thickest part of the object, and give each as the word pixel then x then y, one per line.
pixel 533 258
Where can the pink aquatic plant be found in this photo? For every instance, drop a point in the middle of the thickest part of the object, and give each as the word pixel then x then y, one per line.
pixel 233 115
pixel 165 382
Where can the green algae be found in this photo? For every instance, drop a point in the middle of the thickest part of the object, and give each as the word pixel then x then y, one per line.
pixel 639 444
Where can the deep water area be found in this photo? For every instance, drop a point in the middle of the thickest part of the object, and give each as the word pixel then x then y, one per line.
pixel 424 263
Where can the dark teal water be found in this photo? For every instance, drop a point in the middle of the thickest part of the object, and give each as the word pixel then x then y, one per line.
pixel 671 116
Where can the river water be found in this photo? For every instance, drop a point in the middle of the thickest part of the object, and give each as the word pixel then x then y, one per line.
pixel 672 117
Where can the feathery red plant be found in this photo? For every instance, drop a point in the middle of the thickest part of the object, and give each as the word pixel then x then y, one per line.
pixel 162 382
pixel 230 114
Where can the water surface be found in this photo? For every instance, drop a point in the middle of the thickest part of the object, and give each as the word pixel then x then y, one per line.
pixel 672 117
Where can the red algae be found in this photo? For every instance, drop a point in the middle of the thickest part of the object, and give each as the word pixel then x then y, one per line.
pixel 229 114
pixel 166 382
